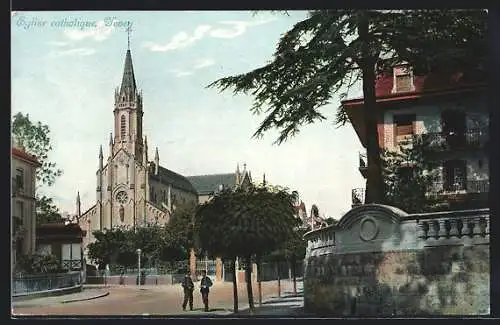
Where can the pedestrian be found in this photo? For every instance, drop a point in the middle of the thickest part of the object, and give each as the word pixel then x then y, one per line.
pixel 188 286
pixel 205 285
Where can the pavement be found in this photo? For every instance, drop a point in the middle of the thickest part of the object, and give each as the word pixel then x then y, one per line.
pixel 162 300
pixel 86 294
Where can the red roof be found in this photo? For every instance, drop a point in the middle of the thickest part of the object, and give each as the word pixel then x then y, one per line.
pixel 25 156
pixel 432 83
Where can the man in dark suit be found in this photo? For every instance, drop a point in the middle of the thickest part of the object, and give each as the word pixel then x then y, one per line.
pixel 188 286
pixel 205 285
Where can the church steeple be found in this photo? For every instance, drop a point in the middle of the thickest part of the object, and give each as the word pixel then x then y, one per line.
pixel 128 86
pixel 128 110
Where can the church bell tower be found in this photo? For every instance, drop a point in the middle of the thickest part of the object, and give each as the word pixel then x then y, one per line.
pixel 128 112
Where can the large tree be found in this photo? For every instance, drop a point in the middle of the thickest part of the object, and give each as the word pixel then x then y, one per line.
pixel 246 222
pixel 34 138
pixel 410 174
pixel 325 54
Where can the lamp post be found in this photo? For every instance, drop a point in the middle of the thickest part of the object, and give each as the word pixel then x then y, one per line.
pixel 139 264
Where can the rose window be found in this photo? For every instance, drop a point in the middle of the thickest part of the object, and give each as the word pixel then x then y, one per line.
pixel 122 197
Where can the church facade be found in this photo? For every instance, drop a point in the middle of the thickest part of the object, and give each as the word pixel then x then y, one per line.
pixel 131 190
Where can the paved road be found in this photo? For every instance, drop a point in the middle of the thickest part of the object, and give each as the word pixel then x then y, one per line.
pixel 155 300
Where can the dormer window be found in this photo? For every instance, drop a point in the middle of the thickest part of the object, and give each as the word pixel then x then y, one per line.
pixel 403 79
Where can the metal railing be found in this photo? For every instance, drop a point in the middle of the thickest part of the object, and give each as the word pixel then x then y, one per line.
pixel 71 265
pixel 471 138
pixel 28 284
pixel 358 196
pixel 460 186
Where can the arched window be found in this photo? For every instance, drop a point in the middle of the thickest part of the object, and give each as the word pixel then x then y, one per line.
pixel 123 127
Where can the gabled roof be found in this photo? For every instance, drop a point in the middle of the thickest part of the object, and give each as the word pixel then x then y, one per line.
pixel 168 177
pixel 207 184
pixel 18 153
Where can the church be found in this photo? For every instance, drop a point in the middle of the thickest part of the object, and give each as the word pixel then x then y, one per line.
pixel 132 190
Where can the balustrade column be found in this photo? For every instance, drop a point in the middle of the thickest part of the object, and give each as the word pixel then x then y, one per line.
pixel 454 232
pixel 433 229
pixel 466 230
pixel 442 229
pixel 476 231
pixel 423 230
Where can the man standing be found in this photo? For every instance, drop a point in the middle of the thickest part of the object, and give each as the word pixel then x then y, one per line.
pixel 188 285
pixel 205 285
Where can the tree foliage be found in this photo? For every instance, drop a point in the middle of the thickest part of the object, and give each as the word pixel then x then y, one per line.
pixel 321 57
pixel 410 175
pixel 47 211
pixel 181 224
pixel 34 137
pixel 36 264
pixel 246 222
pixel 118 246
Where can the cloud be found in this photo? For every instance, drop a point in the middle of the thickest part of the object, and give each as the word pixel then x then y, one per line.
pixel 82 51
pixel 204 63
pixel 99 33
pixel 181 73
pixel 57 43
pixel 183 39
pixel 180 40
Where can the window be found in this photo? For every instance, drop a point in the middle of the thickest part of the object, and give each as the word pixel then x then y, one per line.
pixel 403 79
pixel 455 175
pixel 19 178
pixel 123 127
pixel 20 210
pixel 404 124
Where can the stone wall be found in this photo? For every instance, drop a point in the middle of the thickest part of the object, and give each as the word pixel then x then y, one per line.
pixel 380 261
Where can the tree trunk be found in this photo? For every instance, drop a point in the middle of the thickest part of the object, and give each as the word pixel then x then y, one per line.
pixel 259 280
pixel 294 277
pixel 235 285
pixel 279 278
pixel 374 183
pixel 248 276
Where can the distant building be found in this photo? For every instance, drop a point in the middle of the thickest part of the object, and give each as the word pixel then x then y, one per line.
pixel 23 215
pixel 63 240
pixel 452 111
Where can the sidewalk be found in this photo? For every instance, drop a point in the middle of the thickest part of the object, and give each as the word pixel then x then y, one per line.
pixel 86 294
pixel 287 305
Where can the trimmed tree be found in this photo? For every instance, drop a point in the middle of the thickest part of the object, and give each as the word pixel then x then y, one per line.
pixel 331 50
pixel 246 222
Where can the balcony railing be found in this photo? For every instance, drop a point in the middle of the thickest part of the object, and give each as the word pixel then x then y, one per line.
pixel 358 196
pixel 363 163
pixel 460 186
pixel 472 138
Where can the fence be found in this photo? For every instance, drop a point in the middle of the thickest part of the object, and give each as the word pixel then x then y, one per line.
pixel 160 274
pixel 270 271
pixel 29 284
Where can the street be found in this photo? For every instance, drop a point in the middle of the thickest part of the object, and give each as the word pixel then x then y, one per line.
pixel 155 300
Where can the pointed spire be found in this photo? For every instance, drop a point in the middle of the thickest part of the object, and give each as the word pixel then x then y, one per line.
pixel 264 179
pixel 128 86
pixel 157 161
pixel 244 167
pixel 237 168
pixel 157 156
pixel 100 152
pixel 78 204
pixel 110 139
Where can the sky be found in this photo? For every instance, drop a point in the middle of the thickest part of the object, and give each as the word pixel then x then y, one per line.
pixel 66 66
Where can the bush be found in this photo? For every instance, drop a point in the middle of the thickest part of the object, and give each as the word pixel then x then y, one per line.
pixel 34 264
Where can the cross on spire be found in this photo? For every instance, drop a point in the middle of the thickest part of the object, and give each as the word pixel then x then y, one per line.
pixel 129 29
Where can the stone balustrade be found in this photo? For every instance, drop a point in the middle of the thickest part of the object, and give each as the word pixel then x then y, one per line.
pixel 379 260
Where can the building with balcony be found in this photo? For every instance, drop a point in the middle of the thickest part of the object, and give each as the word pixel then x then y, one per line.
pixel 23 213
pixel 450 112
